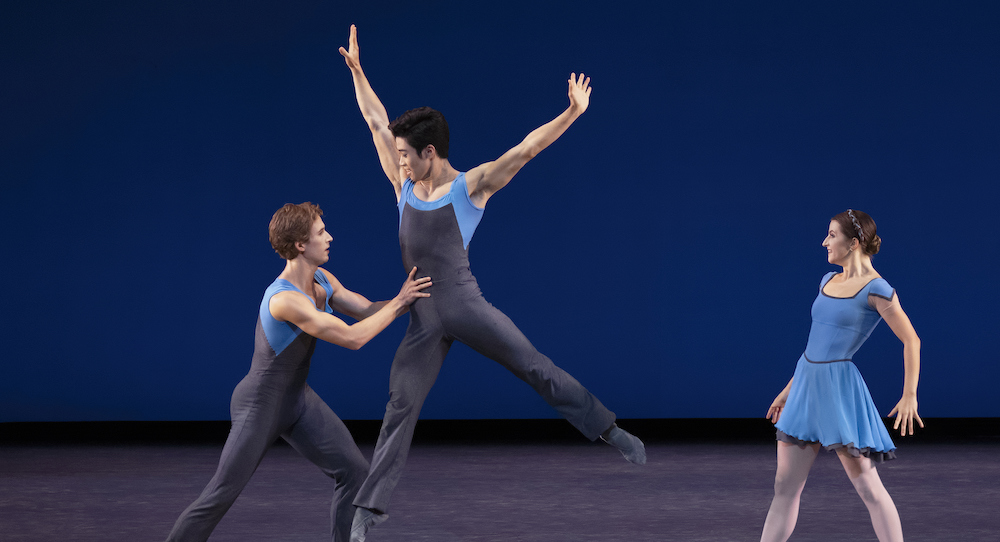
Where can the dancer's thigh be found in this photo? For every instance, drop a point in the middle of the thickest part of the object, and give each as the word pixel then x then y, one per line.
pixel 489 331
pixel 856 466
pixel 417 363
pixel 794 463
pixel 322 438
pixel 251 435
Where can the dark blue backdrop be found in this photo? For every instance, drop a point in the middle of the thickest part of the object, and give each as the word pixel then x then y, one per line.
pixel 665 251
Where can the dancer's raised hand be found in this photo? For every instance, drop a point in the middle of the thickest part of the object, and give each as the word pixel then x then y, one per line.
pixel 579 92
pixel 351 54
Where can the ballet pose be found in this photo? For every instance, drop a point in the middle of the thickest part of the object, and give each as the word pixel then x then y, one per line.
pixel 274 399
pixel 439 210
pixel 826 403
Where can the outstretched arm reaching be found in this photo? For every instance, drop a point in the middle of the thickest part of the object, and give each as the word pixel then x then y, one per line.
pixel 486 179
pixel 294 307
pixel 374 113
pixel 351 303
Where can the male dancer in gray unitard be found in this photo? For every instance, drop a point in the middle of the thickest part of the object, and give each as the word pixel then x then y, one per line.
pixel 439 209
pixel 274 399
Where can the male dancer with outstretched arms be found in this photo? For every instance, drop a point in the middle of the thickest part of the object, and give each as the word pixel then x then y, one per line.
pixel 274 399
pixel 439 209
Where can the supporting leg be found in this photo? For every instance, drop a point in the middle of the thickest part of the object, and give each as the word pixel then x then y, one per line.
pixel 864 476
pixel 321 437
pixel 414 370
pixel 248 441
pixel 789 480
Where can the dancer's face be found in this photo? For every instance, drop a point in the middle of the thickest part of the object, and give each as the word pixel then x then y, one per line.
pixel 838 245
pixel 414 166
pixel 317 248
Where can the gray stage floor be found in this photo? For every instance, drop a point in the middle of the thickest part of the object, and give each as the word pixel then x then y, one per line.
pixel 491 492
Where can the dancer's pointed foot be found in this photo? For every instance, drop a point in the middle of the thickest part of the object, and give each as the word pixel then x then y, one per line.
pixel 628 444
pixel 365 519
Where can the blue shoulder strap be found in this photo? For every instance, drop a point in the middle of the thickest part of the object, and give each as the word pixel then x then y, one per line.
pixel 281 334
pixel 826 278
pixel 466 212
pixel 320 277
pixel 404 195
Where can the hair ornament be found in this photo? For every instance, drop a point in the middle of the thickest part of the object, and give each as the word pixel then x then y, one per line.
pixel 857 226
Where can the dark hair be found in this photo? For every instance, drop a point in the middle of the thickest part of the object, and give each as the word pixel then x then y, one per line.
pixel 292 224
pixel 859 225
pixel 421 127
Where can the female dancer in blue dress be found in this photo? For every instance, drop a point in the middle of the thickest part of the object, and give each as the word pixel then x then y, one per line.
pixel 826 403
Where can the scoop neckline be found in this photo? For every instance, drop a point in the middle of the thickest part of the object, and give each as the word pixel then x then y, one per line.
pixel 822 289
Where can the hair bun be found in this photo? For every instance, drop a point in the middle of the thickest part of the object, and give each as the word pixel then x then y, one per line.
pixel 874 245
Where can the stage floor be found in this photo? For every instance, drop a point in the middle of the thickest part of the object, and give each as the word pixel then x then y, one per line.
pixel 555 491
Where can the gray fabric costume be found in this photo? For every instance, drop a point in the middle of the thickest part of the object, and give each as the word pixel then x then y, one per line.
pixel 274 400
pixel 432 239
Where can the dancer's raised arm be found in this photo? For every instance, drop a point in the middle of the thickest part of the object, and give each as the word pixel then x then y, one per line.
pixel 486 179
pixel 374 113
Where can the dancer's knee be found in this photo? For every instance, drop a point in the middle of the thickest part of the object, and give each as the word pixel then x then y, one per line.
pixel 399 407
pixel 539 372
pixel 870 490
pixel 787 486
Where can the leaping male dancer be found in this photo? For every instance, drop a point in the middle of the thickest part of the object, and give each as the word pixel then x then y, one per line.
pixel 439 209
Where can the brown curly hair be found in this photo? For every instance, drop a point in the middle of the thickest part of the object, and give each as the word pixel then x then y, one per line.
pixel 292 224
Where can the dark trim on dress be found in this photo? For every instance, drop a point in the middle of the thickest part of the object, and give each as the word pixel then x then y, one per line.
pixel 821 288
pixel 875 455
pixel 830 361
pixel 882 296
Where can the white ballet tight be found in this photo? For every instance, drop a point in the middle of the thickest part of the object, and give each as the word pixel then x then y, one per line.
pixel 793 469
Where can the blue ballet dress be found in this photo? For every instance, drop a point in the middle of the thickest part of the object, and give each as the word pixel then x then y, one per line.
pixel 829 402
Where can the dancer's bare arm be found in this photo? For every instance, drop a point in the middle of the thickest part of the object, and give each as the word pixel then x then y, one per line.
pixel 289 306
pixel 905 410
pixel 351 303
pixel 774 412
pixel 485 180
pixel 374 113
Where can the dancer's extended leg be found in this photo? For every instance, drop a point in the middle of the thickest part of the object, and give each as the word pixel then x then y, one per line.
pixel 491 333
pixel 249 439
pixel 789 479
pixel 321 437
pixel 864 476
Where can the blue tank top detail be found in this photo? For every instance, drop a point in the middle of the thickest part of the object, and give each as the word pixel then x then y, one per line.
pixel 281 334
pixel 840 325
pixel 466 212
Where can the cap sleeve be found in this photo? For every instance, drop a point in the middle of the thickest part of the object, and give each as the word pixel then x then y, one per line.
pixel 882 297
pixel 826 278
pixel 880 288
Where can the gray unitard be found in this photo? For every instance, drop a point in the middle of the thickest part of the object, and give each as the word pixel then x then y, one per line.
pixel 274 400
pixel 434 237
